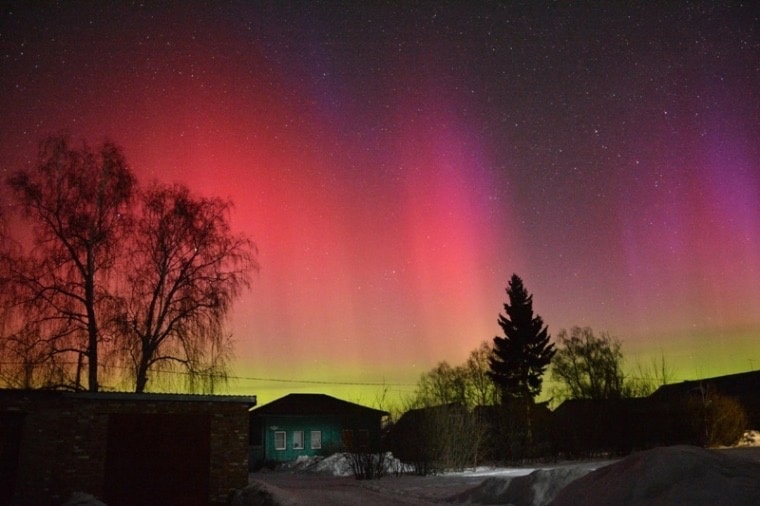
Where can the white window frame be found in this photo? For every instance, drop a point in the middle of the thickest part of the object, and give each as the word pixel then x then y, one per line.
pixel 281 434
pixel 298 443
pixel 315 440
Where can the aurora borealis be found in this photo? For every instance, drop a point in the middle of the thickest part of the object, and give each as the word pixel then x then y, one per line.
pixel 396 163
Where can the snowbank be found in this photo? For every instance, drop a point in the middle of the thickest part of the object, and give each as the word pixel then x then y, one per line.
pixel 261 494
pixel 535 489
pixel 334 465
pixel 664 476
pixel 750 438
pixel 671 475
pixel 338 465
pixel 82 499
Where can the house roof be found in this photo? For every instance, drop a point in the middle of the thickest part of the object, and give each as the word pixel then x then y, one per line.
pixel 450 408
pixel 745 383
pixel 314 404
pixel 571 407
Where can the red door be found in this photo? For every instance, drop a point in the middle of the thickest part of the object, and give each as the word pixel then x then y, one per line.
pixel 157 459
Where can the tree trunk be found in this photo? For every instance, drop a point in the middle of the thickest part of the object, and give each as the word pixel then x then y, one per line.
pixel 78 379
pixel 528 426
pixel 92 328
pixel 141 379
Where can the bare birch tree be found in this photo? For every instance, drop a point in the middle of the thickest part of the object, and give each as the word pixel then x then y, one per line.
pixel 95 278
pixel 481 390
pixel 76 201
pixel 185 268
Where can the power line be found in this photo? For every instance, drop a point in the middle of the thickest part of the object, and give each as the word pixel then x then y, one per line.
pixel 322 382
pixel 303 381
pixel 255 378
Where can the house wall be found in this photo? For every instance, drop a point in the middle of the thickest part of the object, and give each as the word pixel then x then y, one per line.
pixel 64 442
pixel 331 426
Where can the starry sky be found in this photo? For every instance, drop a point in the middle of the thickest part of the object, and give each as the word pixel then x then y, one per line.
pixel 395 163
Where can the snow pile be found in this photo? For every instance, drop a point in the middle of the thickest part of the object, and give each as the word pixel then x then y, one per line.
pixel 261 494
pixel 82 499
pixel 671 475
pixel 750 438
pixel 334 465
pixel 338 464
pixel 535 489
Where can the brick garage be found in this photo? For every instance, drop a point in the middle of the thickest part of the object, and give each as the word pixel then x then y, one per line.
pixel 122 448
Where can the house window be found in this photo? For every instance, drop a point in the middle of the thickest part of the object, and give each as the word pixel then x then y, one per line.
pixel 348 439
pixel 279 440
pixel 298 440
pixel 316 439
pixel 362 437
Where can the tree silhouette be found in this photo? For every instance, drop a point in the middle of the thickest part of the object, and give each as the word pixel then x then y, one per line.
pixel 443 384
pixel 588 366
pixel 185 267
pixel 468 384
pixel 97 278
pixel 76 201
pixel 481 390
pixel 591 367
pixel 521 357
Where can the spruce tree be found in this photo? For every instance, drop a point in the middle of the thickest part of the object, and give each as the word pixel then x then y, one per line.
pixel 521 357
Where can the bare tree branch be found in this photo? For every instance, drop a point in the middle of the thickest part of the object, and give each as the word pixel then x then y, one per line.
pixel 185 269
pixel 77 203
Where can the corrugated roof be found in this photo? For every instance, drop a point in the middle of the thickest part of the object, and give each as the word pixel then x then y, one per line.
pixel 249 400
pixel 314 404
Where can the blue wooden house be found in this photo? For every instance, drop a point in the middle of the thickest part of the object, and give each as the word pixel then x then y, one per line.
pixel 311 424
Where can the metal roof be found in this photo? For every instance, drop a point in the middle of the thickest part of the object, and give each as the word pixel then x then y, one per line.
pixel 314 404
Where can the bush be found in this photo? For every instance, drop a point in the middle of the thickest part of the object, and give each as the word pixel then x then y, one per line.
pixel 716 420
pixel 439 438
pixel 365 465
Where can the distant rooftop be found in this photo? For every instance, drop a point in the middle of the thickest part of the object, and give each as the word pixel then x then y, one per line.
pixel 730 384
pixel 313 404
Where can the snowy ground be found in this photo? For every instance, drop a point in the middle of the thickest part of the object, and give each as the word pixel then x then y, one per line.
pixel 673 475
pixel 329 482
pixel 665 476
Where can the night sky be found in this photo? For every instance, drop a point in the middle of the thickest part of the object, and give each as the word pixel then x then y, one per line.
pixel 396 164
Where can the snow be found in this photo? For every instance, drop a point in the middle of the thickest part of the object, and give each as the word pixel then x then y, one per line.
pixel 536 488
pixel 316 480
pixel 338 465
pixel 668 476
pixel 82 499
pixel 672 475
pixel 750 438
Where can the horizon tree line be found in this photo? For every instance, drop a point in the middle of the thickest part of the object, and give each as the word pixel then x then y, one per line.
pixel 457 429
pixel 512 366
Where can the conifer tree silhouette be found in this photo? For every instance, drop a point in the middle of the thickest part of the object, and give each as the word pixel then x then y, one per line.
pixel 521 357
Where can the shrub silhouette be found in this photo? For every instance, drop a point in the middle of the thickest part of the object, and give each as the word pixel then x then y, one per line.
pixel 716 420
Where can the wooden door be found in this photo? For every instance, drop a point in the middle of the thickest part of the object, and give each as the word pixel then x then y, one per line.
pixel 157 459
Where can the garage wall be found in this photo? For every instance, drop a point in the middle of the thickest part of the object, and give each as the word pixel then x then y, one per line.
pixel 65 442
